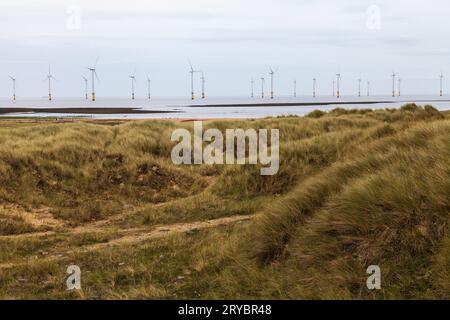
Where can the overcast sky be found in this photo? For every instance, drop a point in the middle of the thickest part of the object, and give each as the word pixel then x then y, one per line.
pixel 231 40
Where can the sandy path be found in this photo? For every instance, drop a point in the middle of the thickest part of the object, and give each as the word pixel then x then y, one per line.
pixel 37 218
pixel 138 235
pixel 42 218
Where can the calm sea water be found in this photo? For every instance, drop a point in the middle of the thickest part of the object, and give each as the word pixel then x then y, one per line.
pixel 184 108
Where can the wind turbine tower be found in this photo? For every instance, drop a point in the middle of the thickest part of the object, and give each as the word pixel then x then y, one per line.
pixel 314 87
pixel 338 80
pixel 262 87
pixel 133 81
pixel 49 79
pixel 271 82
pixel 14 88
pixel 359 87
pixel 203 85
pixel 252 83
pixel 368 88
pixel 192 72
pixel 334 92
pixel 149 83
pixel 94 76
pixel 399 87
pixel 441 83
pixel 393 84
pixel 85 87
pixel 295 88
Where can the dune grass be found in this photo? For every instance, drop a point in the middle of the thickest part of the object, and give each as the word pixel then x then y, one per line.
pixel 355 188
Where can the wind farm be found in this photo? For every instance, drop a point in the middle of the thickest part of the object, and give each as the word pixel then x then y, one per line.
pixel 236 106
pixel 279 100
pixel 283 99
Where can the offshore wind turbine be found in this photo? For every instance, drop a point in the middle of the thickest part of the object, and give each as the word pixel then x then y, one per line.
pixel 393 83
pixel 85 87
pixel 49 78
pixel 314 87
pixel 203 85
pixel 334 92
pixel 262 87
pixel 192 72
pixel 441 78
pixel 338 79
pixel 295 88
pixel 14 88
pixel 359 86
pixel 133 81
pixel 368 88
pixel 149 84
pixel 271 82
pixel 399 87
pixel 94 76
pixel 252 93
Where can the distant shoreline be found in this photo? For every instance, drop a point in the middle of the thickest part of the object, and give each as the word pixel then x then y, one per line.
pixel 137 110
pixel 310 104
pixel 96 110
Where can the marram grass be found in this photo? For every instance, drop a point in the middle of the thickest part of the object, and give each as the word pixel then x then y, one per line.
pixel 355 188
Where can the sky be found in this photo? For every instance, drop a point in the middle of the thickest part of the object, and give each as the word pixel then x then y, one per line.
pixel 230 40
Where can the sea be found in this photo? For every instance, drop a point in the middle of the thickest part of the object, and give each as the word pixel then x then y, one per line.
pixel 216 107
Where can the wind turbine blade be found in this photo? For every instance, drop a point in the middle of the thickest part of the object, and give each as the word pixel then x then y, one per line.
pixel 96 76
pixel 96 62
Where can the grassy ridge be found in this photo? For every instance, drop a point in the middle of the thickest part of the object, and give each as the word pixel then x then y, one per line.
pixel 391 211
pixel 87 172
pixel 355 188
pixel 385 203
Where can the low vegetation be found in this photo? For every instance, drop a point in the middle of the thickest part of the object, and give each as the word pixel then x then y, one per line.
pixel 355 188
